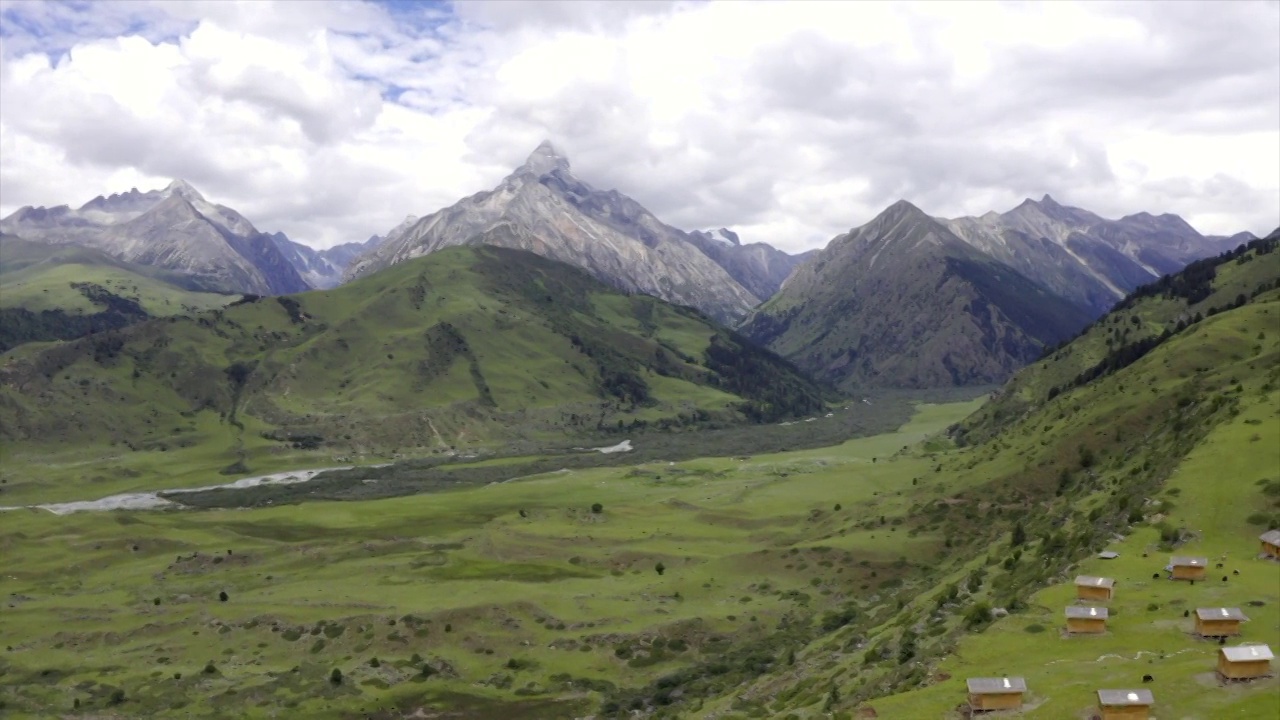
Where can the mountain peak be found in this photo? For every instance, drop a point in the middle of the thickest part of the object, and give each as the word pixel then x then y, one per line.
pixel 545 159
pixel 1049 201
pixel 183 188
pixel 902 208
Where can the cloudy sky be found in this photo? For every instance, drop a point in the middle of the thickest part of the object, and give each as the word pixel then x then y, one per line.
pixel 787 122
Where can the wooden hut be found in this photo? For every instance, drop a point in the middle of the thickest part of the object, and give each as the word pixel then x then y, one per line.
pixel 1086 620
pixel 1245 662
pixel 1188 568
pixel 1219 622
pixel 1125 704
pixel 1271 543
pixel 1094 588
pixel 996 693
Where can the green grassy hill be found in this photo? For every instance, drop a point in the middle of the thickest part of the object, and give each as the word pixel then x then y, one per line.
pixel 1148 317
pixel 61 292
pixel 465 348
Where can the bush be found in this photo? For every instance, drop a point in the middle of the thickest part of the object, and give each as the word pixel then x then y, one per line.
pixel 222 596
pixel 117 697
pixel 335 677
pixel 977 615
pixel 660 568
pixel 209 669
pixel 597 508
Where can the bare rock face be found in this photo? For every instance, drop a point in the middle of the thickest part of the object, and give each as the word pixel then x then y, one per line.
pixel 759 267
pixel 543 208
pixel 174 228
pixel 1087 259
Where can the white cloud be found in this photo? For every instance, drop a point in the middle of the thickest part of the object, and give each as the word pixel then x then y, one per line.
pixel 790 122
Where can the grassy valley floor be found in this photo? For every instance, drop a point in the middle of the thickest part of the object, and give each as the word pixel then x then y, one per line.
pixel 509 600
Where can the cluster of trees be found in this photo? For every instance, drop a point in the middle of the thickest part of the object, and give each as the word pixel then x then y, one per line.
pixel 20 325
pixel 773 388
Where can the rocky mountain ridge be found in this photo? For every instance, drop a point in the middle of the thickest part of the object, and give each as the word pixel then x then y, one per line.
pixel 1088 259
pixel 902 301
pixel 542 207
pixel 176 229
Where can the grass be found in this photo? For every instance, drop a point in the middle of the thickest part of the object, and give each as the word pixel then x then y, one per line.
pixel 451 353
pixel 800 578
pixel 467 561
pixel 1214 493
pixel 49 287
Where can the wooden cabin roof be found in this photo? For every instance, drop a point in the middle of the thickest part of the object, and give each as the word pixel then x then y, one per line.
pixel 1180 560
pixel 1270 536
pixel 1247 653
pixel 1092 581
pixel 997 686
pixel 1220 614
pixel 1126 697
pixel 1087 613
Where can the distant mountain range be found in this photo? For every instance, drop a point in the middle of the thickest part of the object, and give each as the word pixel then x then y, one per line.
pixel 1087 259
pixel 175 229
pixel 323 269
pixel 909 300
pixel 906 300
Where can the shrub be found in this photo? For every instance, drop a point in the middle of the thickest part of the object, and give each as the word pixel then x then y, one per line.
pixel 222 596
pixel 209 668
pixel 1019 535
pixel 335 677
pixel 660 568
pixel 977 615
pixel 374 662
pixel 597 508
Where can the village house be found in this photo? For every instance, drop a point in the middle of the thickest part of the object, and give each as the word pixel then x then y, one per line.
pixel 1187 568
pixel 1086 620
pixel 1271 544
pixel 1219 622
pixel 1245 662
pixel 1125 704
pixel 996 693
pixel 1094 588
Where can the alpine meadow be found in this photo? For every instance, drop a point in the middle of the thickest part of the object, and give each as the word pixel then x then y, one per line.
pixel 784 400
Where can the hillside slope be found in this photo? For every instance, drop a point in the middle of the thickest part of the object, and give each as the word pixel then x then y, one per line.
pixel 61 292
pixel 902 302
pixel 466 347
pixel 1172 452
